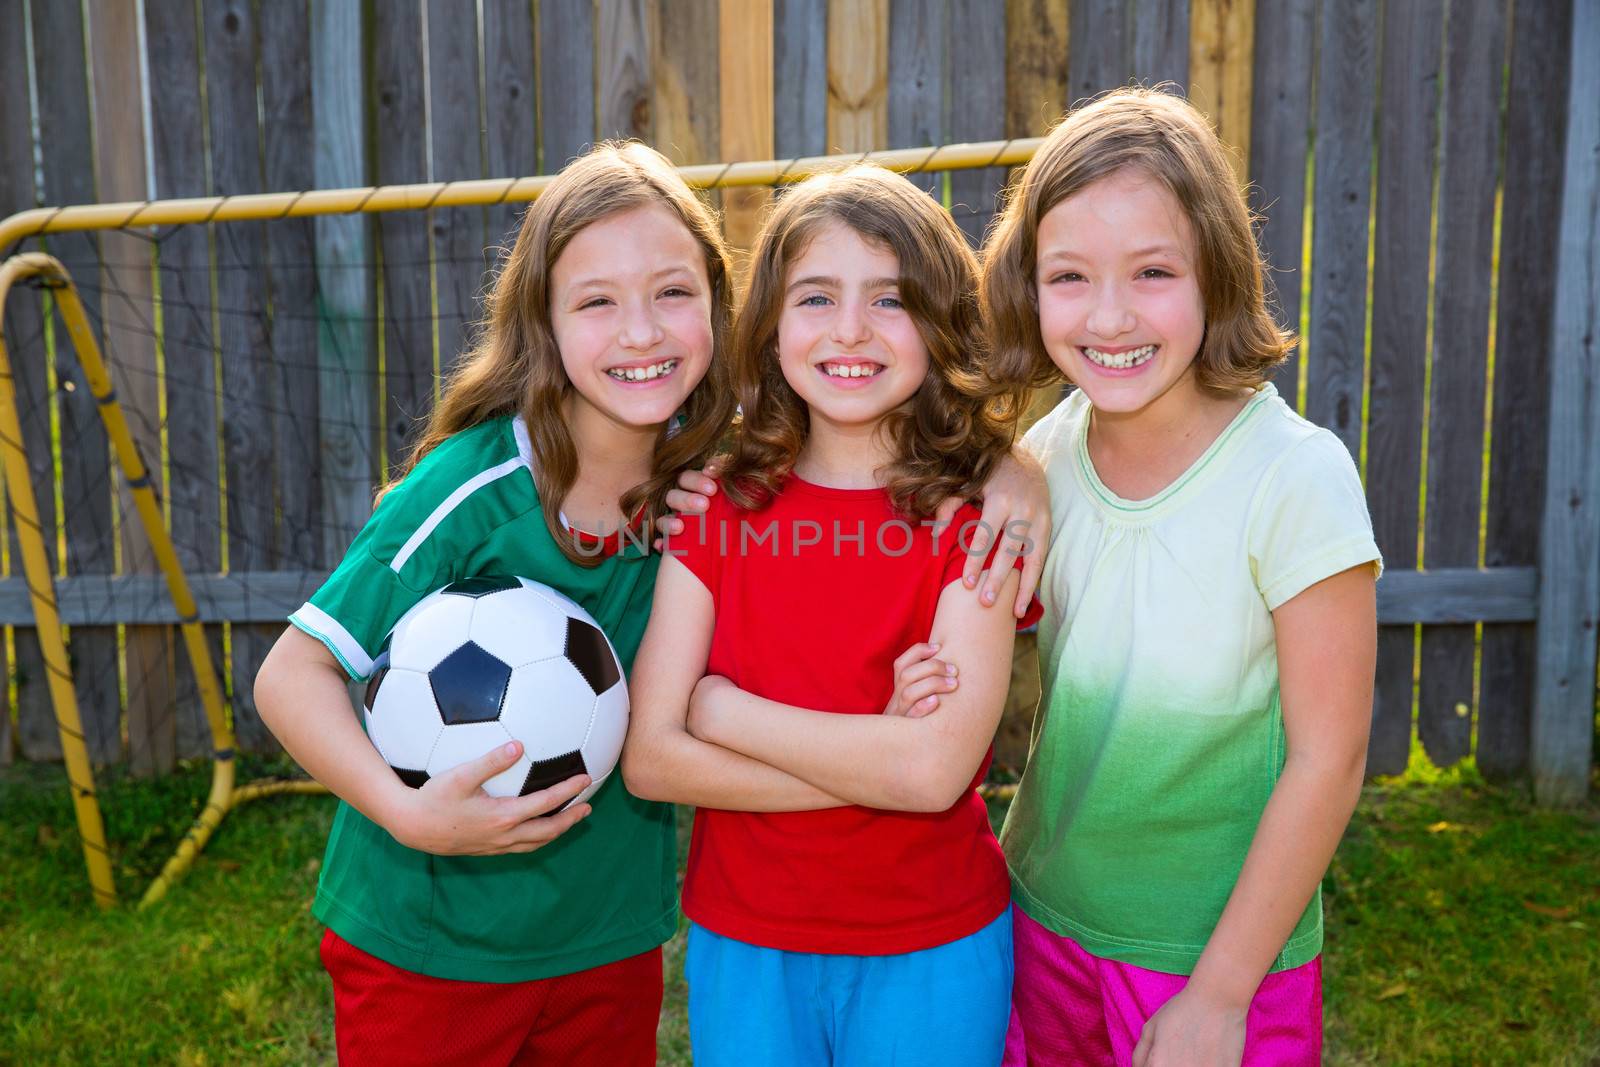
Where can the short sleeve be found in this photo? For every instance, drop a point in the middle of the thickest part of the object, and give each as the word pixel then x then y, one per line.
pixel 1310 521
pixel 1043 437
pixel 354 610
pixel 703 543
pixel 957 541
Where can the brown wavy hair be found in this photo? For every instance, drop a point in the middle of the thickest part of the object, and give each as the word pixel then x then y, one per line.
pixel 515 364
pixel 951 431
pixel 1165 137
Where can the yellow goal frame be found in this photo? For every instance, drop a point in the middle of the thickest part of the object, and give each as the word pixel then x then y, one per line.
pixel 225 793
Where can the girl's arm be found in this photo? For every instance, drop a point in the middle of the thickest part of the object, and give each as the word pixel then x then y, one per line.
pixel 660 760
pixel 891 762
pixel 1327 653
pixel 1016 507
pixel 300 691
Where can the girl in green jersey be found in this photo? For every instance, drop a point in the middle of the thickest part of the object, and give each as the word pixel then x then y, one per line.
pixel 463 927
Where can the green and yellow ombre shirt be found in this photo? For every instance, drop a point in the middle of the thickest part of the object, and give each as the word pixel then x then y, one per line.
pixel 1160 735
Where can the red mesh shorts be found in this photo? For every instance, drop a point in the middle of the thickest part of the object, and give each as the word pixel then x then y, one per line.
pixel 605 1016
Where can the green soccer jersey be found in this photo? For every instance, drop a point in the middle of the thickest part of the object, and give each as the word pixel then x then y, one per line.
pixel 603 891
pixel 1160 734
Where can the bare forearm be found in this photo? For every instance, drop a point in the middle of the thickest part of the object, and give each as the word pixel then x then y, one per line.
pixel 1293 845
pixel 676 767
pixel 879 761
pixel 307 707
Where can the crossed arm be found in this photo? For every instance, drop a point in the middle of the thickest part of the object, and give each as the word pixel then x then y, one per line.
pixel 661 760
pixel 705 741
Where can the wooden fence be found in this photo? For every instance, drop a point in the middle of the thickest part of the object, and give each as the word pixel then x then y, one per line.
pixel 1414 161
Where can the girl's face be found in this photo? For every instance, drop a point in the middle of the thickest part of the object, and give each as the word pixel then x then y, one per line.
pixel 630 303
pixel 1119 297
pixel 846 343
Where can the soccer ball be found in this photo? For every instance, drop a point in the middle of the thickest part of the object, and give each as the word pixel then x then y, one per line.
pixel 484 661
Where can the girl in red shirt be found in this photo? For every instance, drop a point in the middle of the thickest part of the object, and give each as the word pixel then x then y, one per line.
pixel 849 902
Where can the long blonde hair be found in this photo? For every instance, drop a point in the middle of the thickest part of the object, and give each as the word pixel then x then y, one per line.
pixel 515 364
pixel 955 427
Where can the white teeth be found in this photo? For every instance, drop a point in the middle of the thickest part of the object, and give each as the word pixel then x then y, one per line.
pixel 644 374
pixel 1120 360
pixel 854 370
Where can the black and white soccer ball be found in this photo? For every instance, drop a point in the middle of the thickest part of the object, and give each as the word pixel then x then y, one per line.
pixel 484 661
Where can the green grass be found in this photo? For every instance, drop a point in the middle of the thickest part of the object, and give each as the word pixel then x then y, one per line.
pixel 1464 927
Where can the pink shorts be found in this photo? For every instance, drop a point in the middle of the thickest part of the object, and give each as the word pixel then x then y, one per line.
pixel 1073 1009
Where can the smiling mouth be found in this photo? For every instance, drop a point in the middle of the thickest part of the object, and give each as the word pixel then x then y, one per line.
pixel 850 370
pixel 1134 357
pixel 644 374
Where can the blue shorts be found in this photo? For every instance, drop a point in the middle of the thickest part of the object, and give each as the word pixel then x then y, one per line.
pixel 752 1006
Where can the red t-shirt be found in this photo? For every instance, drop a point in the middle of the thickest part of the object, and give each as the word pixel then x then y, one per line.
pixel 815 596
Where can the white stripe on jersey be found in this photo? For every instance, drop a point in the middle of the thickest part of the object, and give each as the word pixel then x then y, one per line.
pixel 318 623
pixel 519 430
pixel 451 502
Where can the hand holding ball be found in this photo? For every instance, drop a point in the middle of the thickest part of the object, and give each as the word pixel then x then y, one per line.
pixel 485 661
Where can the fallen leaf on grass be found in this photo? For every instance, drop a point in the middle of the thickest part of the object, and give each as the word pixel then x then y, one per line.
pixel 227 865
pixel 1517 1024
pixel 47 835
pixel 1548 912
pixel 1446 827
pixel 1399 989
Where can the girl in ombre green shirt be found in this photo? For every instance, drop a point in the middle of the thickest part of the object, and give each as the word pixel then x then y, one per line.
pixel 1209 636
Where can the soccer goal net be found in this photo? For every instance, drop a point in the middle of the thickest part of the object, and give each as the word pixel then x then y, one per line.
pixel 197 401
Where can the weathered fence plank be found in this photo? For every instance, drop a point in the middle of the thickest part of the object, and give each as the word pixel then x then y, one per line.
pixel 1346 58
pixel 566 81
pixel 623 74
pixel 685 77
pixel 858 75
pixel 800 65
pixel 919 55
pixel 402 156
pixel 1159 51
pixel 1099 43
pixel 977 107
pixel 67 155
pixel 1569 561
pixel 1407 149
pixel 289 147
pixel 177 138
pixel 1504 594
pixel 130 343
pixel 1474 45
pixel 1279 137
pixel 1036 98
pixel 510 106
pixel 1036 66
pixel 457 153
pixel 346 355
pixel 1221 54
pixel 745 118
pixel 24 331
pixel 1535 132
pixel 249 374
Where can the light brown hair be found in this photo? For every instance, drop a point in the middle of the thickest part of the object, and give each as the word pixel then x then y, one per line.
pixel 947 437
pixel 515 364
pixel 1166 138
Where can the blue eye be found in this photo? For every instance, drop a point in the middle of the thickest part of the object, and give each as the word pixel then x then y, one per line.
pixel 814 300
pixel 890 301
pixel 1067 276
